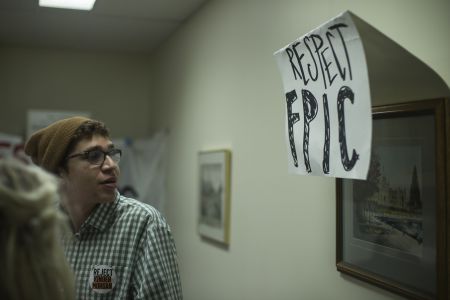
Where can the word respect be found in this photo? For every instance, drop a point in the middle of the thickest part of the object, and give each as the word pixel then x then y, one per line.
pixel 316 49
pixel 320 60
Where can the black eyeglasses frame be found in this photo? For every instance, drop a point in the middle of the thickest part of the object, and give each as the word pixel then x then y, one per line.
pixel 85 155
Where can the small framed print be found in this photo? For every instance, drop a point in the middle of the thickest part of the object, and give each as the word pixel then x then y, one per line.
pixel 392 228
pixel 214 195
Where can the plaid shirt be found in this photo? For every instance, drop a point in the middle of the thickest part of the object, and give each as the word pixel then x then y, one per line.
pixel 124 250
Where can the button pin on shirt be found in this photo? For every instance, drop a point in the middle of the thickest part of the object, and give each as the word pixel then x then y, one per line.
pixel 102 279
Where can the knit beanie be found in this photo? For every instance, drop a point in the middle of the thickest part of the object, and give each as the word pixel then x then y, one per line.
pixel 48 146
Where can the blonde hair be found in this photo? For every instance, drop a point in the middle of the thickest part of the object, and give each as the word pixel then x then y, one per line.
pixel 31 256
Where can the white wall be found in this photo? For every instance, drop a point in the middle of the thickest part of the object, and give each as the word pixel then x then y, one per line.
pixel 218 87
pixel 115 88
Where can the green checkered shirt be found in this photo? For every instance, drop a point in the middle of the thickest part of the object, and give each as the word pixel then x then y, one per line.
pixel 124 250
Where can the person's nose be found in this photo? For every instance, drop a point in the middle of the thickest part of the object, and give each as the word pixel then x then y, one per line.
pixel 109 163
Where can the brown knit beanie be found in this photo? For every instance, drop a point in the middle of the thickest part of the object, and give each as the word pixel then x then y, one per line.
pixel 48 146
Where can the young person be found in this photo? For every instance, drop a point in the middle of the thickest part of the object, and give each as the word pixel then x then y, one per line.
pixel 121 248
pixel 31 258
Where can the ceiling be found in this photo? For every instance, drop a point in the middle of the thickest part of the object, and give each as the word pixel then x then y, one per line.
pixel 112 25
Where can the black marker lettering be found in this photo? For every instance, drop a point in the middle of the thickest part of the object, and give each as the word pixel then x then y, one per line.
pixel 327 66
pixel 337 27
pixel 310 109
pixel 341 70
pixel 314 78
pixel 292 119
pixel 326 143
pixel 299 61
pixel 317 47
pixel 290 54
pixel 345 93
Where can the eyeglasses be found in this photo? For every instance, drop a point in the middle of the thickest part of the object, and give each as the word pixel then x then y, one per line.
pixel 98 156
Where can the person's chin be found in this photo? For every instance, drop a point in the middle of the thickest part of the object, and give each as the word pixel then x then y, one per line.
pixel 107 196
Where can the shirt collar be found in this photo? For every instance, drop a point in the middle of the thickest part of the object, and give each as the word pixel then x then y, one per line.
pixel 102 215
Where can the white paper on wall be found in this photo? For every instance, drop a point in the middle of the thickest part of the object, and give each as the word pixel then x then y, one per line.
pixel 143 169
pixel 38 119
pixel 327 97
pixel 12 146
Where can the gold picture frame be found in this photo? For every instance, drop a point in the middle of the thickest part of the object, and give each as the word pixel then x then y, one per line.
pixel 214 195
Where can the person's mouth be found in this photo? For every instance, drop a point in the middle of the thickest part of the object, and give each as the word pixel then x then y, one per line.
pixel 110 182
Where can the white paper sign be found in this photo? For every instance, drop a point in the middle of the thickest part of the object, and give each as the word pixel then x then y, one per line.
pixel 38 119
pixel 12 146
pixel 327 97
pixel 143 169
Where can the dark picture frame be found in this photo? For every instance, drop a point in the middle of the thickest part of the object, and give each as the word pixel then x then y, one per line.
pixel 392 228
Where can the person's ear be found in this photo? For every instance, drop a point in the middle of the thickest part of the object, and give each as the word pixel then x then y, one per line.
pixel 63 176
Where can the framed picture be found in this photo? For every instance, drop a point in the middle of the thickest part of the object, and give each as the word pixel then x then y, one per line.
pixel 214 194
pixel 392 228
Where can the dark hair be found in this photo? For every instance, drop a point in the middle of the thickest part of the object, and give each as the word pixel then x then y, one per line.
pixel 86 131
